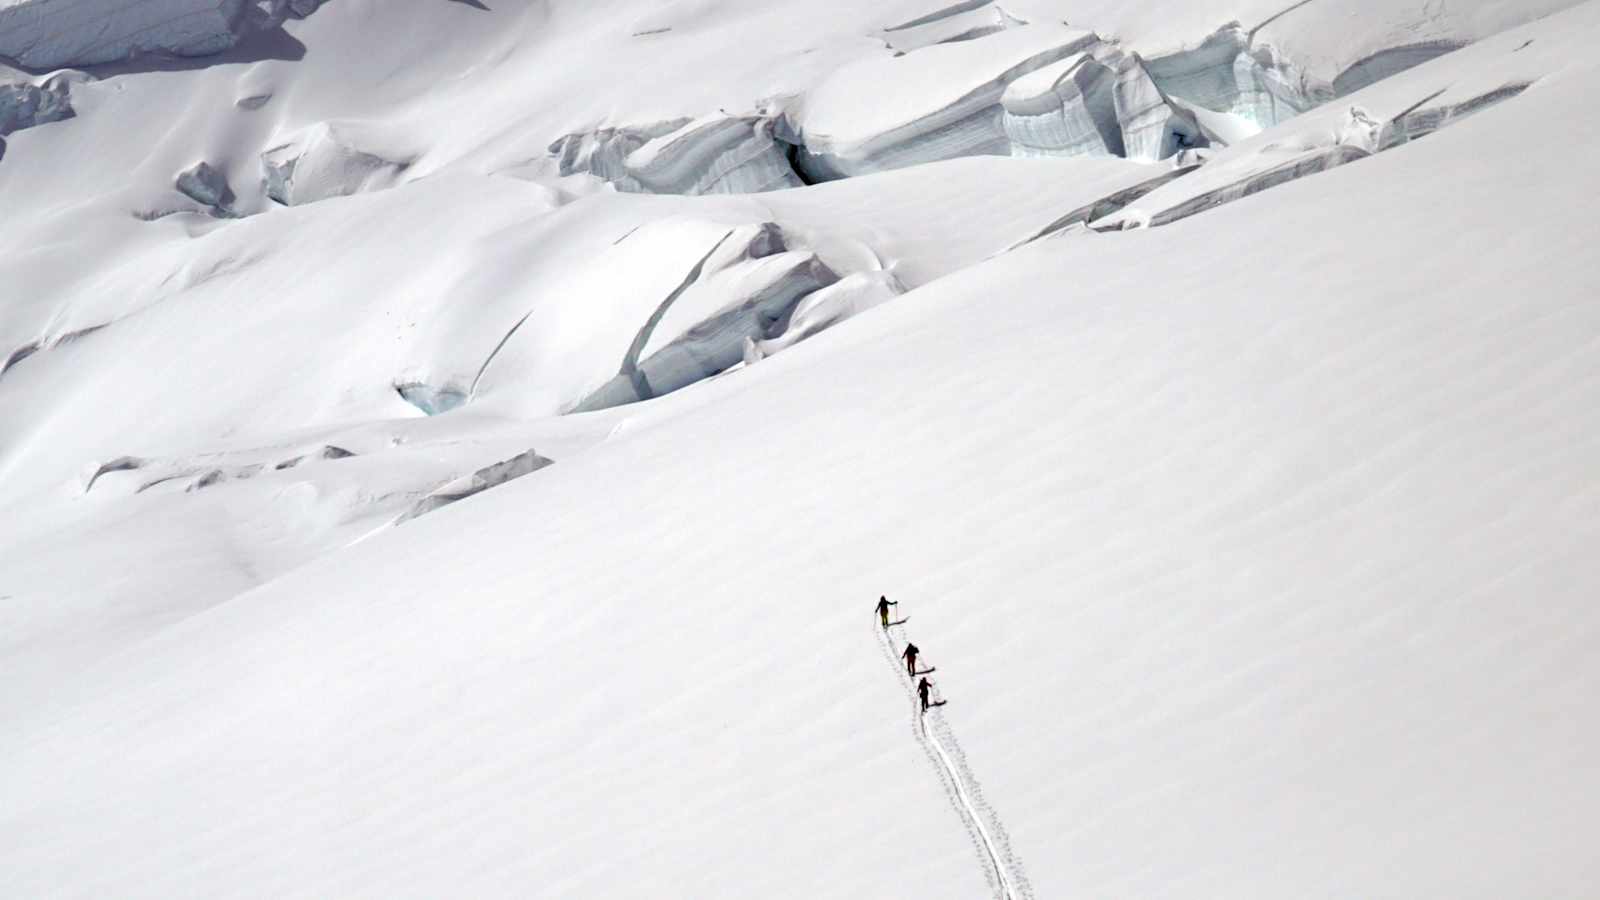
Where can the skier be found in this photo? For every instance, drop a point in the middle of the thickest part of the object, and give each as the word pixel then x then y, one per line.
pixel 883 610
pixel 923 687
pixel 910 655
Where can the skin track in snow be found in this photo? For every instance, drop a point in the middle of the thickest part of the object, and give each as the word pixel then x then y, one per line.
pixel 1001 866
pixel 1006 890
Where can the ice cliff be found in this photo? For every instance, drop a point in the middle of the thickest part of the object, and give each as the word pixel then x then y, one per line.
pixel 715 155
pixel 48 34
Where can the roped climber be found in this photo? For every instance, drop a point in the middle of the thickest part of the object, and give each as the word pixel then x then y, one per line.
pixel 910 656
pixel 923 687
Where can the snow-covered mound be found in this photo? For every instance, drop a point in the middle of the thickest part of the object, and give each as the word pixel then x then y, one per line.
pixel 455 450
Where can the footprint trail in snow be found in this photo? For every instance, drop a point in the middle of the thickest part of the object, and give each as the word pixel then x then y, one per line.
pixel 1002 870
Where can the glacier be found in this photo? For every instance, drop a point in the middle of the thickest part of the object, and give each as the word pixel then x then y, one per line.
pixel 47 34
pixel 719 155
pixel 51 34
pixel 1227 73
pixel 745 295
pixel 1085 95
pixel 1409 105
pixel 879 114
pixel 454 449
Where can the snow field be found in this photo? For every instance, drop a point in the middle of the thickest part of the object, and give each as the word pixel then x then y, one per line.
pixel 1255 547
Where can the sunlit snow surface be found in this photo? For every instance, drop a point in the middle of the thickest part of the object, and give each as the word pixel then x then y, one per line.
pixel 450 451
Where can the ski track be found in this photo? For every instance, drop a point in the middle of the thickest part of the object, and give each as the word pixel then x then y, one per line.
pixel 945 775
pixel 1001 868
pixel 998 840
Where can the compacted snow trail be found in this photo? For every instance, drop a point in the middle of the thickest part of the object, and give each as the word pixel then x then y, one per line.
pixel 996 840
pixel 959 785
pixel 1006 890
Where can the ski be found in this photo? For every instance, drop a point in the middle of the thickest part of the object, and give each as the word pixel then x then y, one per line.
pixel 924 671
pixel 898 622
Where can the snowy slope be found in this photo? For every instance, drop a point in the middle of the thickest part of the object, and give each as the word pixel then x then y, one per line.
pixel 1252 548
pixel 540 307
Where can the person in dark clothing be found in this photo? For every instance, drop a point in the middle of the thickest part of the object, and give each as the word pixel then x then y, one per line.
pixel 923 687
pixel 883 610
pixel 910 656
